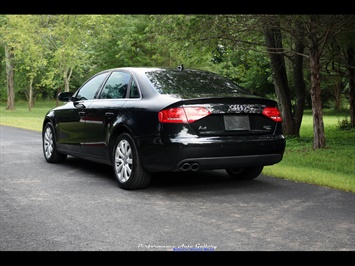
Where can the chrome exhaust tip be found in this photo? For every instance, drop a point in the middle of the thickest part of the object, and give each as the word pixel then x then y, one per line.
pixel 185 167
pixel 190 167
pixel 195 167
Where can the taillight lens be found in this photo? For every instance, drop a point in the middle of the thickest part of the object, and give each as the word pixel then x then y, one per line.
pixel 273 113
pixel 182 114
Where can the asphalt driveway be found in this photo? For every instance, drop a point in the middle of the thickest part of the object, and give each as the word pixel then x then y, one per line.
pixel 77 206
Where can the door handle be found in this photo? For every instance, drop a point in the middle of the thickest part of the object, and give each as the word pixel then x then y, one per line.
pixel 79 105
pixel 81 113
pixel 109 114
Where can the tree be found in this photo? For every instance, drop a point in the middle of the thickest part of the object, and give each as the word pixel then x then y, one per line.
pixel 186 36
pixel 341 64
pixel 351 70
pixel 66 39
pixel 320 29
pixel 10 64
pixel 26 41
pixel 317 31
pixel 124 40
pixel 315 49
pixel 9 58
pixel 273 39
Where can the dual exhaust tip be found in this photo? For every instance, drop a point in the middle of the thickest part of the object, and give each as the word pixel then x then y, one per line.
pixel 190 167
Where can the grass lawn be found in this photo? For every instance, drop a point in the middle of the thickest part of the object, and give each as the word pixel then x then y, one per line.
pixel 22 117
pixel 332 166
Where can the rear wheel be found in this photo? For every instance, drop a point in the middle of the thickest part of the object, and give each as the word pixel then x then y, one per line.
pixel 245 173
pixel 49 145
pixel 126 164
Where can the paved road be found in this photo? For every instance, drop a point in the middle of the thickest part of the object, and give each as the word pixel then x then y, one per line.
pixel 77 206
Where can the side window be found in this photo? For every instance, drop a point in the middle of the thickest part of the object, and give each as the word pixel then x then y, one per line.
pixel 134 92
pixel 89 89
pixel 116 86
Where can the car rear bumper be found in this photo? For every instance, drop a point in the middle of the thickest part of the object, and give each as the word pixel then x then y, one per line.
pixel 204 163
pixel 184 154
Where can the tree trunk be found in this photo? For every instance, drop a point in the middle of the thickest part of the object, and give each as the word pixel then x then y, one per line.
pixel 317 111
pixel 66 83
pixel 273 41
pixel 337 88
pixel 300 87
pixel 351 70
pixel 30 96
pixel 10 77
pixel 67 77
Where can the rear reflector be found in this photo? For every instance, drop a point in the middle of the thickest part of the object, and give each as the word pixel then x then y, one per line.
pixel 273 113
pixel 182 114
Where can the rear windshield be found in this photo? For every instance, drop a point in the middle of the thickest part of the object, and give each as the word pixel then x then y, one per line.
pixel 193 83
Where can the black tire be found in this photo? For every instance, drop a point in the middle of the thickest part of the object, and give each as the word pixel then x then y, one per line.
pixel 49 145
pixel 245 173
pixel 127 168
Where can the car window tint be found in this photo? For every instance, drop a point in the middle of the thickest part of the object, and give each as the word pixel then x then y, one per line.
pixel 134 92
pixel 193 83
pixel 116 86
pixel 89 89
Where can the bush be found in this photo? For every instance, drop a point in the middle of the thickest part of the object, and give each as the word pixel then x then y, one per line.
pixel 344 124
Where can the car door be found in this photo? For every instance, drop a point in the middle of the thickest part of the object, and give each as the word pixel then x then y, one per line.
pixel 71 120
pixel 103 111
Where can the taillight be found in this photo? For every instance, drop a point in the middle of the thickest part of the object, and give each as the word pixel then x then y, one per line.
pixel 273 113
pixel 182 114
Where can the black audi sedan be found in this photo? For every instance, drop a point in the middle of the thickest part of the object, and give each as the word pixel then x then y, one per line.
pixel 145 120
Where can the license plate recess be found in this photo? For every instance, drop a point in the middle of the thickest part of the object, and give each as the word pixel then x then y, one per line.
pixel 236 122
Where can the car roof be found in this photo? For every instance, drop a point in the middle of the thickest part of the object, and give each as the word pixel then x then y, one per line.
pixel 144 69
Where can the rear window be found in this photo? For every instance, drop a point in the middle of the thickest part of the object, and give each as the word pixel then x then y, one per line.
pixel 193 83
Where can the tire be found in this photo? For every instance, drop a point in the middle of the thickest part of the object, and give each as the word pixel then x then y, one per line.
pixel 127 168
pixel 49 145
pixel 246 173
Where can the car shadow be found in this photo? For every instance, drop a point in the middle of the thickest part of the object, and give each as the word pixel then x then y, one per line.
pixel 92 168
pixel 203 180
pixel 206 180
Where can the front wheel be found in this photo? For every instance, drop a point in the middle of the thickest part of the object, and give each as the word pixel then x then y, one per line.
pixel 49 145
pixel 126 164
pixel 245 173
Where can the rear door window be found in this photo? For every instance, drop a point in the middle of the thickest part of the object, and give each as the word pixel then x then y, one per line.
pixel 116 86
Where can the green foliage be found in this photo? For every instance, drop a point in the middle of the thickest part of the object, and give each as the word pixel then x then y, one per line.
pixel 50 47
pixel 249 69
pixel 344 124
pixel 55 51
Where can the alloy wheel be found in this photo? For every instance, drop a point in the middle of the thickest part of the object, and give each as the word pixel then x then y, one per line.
pixel 123 161
pixel 48 142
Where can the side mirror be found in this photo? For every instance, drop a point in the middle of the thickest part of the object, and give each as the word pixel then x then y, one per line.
pixel 65 96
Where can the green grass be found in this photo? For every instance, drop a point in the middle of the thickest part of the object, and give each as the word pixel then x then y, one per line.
pixel 331 167
pixel 22 117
